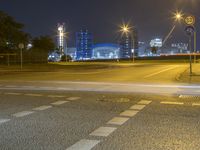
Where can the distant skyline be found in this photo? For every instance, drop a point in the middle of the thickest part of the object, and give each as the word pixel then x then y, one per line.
pixel 152 18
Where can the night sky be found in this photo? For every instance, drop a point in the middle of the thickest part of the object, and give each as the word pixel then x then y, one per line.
pixel 101 17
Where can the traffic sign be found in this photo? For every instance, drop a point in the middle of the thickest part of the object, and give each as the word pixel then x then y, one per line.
pixel 189 30
pixel 21 45
pixel 190 20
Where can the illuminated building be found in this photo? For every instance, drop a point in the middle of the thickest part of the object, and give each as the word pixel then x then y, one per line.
pixel 126 45
pixel 106 51
pixel 61 38
pixel 84 44
pixel 157 42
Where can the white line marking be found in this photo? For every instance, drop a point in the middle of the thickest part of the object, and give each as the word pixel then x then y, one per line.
pixel 103 131
pixel 56 96
pixel 42 108
pixel 84 145
pixel 11 86
pixel 118 120
pixel 153 74
pixel 138 107
pixel 195 104
pixel 129 113
pixel 172 103
pixel 144 102
pixel 13 93
pixel 36 95
pixel 23 113
pixel 73 98
pixel 4 121
pixel 59 102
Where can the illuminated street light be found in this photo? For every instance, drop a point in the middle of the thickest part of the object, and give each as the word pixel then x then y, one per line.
pixel 125 28
pixel 178 16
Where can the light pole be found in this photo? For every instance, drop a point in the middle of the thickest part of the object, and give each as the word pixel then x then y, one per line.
pixel 21 47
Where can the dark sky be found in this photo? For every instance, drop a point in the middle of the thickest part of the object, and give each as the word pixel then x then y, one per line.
pixel 102 17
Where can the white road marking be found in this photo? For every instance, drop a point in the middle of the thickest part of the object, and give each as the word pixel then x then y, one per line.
pixel 56 96
pixel 129 113
pixel 73 98
pixel 144 102
pixel 84 145
pixel 59 102
pixel 23 113
pixel 172 103
pixel 103 131
pixel 153 74
pixel 195 104
pixel 138 107
pixel 11 86
pixel 118 120
pixel 42 108
pixel 35 95
pixel 13 93
pixel 4 121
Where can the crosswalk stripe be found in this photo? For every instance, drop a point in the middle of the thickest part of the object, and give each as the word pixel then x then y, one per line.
pixel 103 131
pixel 118 121
pixel 4 121
pixel 129 113
pixel 138 107
pixel 84 145
pixel 73 98
pixel 36 95
pixel 144 102
pixel 195 104
pixel 56 96
pixel 13 93
pixel 59 102
pixel 23 113
pixel 42 108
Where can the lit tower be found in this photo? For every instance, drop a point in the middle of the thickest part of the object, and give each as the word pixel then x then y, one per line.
pixel 61 38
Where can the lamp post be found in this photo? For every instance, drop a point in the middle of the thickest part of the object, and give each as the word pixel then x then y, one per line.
pixel 21 47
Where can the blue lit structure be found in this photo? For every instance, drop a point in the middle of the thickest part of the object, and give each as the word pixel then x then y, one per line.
pixel 84 44
pixel 106 51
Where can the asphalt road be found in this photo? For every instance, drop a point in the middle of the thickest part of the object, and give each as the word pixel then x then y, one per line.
pixel 102 121
pixel 140 107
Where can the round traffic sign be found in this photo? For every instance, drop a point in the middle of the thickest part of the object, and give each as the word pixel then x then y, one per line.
pixel 190 20
pixel 21 45
pixel 189 30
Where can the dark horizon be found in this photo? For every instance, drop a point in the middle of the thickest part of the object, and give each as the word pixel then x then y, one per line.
pixel 152 18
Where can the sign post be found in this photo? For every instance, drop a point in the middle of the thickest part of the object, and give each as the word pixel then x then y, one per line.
pixel 21 46
pixel 190 31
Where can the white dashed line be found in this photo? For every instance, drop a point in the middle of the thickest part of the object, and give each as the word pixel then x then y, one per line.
pixel 59 102
pixel 36 95
pixel 11 86
pixel 23 113
pixel 4 121
pixel 56 96
pixel 138 107
pixel 13 93
pixel 144 102
pixel 195 104
pixel 42 108
pixel 73 98
pixel 172 103
pixel 129 113
pixel 118 121
pixel 103 131
pixel 84 145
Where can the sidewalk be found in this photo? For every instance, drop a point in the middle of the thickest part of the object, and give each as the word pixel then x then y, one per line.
pixel 195 78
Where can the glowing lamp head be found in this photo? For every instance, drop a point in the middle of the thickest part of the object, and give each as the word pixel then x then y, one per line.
pixel 60 29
